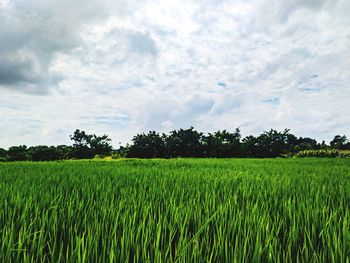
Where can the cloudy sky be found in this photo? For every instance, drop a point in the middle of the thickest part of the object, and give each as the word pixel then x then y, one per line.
pixel 121 67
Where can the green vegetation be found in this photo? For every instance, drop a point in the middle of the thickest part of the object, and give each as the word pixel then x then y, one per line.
pixel 179 210
pixel 330 153
pixel 185 143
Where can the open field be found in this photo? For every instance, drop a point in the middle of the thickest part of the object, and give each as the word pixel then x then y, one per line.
pixel 184 210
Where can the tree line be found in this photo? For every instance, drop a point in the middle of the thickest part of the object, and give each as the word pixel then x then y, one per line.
pixel 85 146
pixel 225 144
pixel 178 143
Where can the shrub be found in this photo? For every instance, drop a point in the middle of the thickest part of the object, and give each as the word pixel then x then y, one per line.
pixel 331 153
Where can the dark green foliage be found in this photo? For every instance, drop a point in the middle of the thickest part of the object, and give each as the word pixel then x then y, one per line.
pixel 3 155
pixel 64 151
pixel 43 153
pixel 249 146
pixel 86 146
pixel 36 153
pixel 184 143
pixel 17 153
pixel 222 144
pixel 340 143
pixel 150 145
pixel 81 149
pixel 181 143
pixel 307 144
pixel 272 143
pixel 100 145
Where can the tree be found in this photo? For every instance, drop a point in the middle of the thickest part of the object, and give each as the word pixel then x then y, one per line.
pixel 150 145
pixel 339 142
pixel 292 142
pixel 184 143
pixel 100 145
pixel 229 143
pixel 17 153
pixel 86 146
pixel 81 148
pixel 64 151
pixel 250 146
pixel 211 145
pixel 269 144
pixel 3 155
pixel 43 153
pixel 306 144
pixel 223 144
pixel 323 145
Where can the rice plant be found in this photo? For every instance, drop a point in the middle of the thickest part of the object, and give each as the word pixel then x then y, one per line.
pixel 180 210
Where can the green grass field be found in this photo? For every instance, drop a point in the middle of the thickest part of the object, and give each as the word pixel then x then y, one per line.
pixel 182 210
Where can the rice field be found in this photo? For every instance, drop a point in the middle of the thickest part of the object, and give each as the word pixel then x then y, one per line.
pixel 179 210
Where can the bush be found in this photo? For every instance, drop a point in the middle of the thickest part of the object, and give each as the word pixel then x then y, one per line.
pixel 323 153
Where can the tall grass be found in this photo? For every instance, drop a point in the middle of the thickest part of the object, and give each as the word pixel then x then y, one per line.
pixel 188 210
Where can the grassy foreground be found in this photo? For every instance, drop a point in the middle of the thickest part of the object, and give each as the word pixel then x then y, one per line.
pixel 186 210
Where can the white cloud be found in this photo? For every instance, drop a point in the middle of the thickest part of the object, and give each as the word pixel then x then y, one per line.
pixel 122 67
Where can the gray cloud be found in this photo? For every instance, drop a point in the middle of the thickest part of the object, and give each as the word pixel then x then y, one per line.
pixel 33 32
pixel 292 60
pixel 288 7
pixel 123 42
pixel 17 70
pixel 123 67
pixel 143 43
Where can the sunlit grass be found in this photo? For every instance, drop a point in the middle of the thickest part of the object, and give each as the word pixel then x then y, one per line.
pixel 184 210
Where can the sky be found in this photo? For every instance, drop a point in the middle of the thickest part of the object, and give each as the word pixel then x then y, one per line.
pixel 122 67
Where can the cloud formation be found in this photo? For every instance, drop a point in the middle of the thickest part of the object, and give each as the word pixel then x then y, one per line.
pixel 33 33
pixel 122 67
